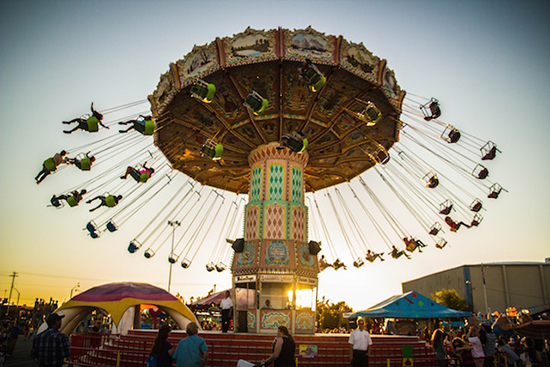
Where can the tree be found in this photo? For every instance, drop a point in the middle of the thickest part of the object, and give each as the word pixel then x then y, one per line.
pixel 450 298
pixel 330 316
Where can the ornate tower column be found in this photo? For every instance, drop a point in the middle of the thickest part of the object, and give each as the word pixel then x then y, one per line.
pixel 275 276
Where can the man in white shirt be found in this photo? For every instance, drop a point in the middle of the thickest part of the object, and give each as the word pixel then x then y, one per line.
pixel 360 343
pixel 226 305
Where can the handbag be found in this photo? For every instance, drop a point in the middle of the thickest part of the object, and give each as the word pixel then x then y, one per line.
pixel 152 360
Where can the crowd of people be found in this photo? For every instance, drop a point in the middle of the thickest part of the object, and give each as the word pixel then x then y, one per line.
pixel 480 343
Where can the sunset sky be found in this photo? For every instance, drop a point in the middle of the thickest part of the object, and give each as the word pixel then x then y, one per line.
pixel 487 63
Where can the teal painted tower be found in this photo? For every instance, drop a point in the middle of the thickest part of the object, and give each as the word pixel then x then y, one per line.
pixel 275 276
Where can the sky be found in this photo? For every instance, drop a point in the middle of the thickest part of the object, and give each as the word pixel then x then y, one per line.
pixel 486 62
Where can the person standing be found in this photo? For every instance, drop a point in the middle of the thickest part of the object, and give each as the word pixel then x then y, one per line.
pixel 191 351
pixel 51 346
pixel 360 345
pixel 162 348
pixel 439 348
pixel 226 305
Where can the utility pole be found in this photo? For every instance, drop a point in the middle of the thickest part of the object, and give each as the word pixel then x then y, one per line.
pixel 13 276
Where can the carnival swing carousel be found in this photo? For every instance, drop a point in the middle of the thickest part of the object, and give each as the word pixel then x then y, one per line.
pixel 285 120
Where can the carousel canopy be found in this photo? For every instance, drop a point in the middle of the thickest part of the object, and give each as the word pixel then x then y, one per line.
pixel 411 305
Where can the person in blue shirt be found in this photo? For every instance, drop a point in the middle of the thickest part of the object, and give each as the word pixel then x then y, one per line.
pixel 191 351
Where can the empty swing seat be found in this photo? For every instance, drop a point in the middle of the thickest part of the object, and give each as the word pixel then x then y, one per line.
pixel 454 136
pixel 203 91
pixel 435 228
pixel 256 103
pixel 149 253
pixel 371 114
pixel 133 246
pixel 431 110
pixel 358 263
pixel 91 227
pixel 495 191
pixel 93 124
pixel 441 243
pixel 210 267
pixel 172 259
pixel 185 263
pixel 445 207
pixel 480 172
pixel 488 151
pixel 111 226
pixel 220 267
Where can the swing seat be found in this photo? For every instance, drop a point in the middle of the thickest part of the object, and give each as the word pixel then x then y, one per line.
pixel 172 259
pixel 210 267
pixel 220 267
pixel 111 226
pixel 144 177
pixel 434 229
pixel 480 172
pixel 203 91
pixel 382 157
pixel 430 180
pixel 318 84
pixel 396 255
pixel 476 220
pixel 207 151
pixel 446 207
pixel 149 253
pixel 84 164
pixel 91 227
pixel 411 247
pixel 133 246
pixel 431 110
pixel 476 205
pixel 218 151
pixel 370 258
pixel 110 201
pixel 256 103
pixel 93 124
pixel 371 114
pixel 489 151
pixel 149 127
pixel 454 136
pixel 441 243
pixel 50 165
pixel 185 263
pixel 495 191
pixel 94 235
pixel 71 200
pixel 358 263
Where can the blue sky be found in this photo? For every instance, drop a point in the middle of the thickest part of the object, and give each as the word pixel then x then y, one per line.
pixel 487 63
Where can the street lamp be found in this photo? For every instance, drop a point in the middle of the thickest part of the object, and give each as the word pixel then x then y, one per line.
pixel 74 289
pixel 174 224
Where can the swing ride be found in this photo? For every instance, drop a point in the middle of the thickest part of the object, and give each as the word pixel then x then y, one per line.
pixel 277 116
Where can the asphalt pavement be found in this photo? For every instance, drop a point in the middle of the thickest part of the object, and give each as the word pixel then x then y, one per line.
pixel 21 355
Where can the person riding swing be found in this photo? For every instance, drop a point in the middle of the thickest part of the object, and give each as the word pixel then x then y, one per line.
pixel 90 124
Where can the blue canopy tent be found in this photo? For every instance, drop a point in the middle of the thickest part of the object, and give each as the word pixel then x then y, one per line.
pixel 411 305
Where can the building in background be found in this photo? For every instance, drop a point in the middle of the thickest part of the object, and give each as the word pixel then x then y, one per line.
pixel 494 286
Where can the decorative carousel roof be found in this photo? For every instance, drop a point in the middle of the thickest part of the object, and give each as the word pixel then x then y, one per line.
pixel 341 144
